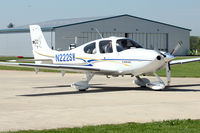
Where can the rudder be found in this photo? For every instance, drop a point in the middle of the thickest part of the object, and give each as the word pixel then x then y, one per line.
pixel 39 44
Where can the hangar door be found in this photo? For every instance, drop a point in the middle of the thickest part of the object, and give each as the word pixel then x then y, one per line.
pixel 151 40
pixel 90 36
pixel 147 40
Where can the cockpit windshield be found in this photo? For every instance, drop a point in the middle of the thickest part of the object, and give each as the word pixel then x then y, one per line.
pixel 123 44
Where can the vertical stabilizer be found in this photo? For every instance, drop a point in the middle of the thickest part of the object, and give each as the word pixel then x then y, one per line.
pixel 40 48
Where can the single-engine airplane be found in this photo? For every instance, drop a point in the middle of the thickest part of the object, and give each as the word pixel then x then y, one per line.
pixel 113 56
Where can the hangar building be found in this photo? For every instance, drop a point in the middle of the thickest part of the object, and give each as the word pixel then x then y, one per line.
pixel 61 33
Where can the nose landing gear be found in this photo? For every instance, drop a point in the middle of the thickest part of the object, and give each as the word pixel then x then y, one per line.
pixel 157 85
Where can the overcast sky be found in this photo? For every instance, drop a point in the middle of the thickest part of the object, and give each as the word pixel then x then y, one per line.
pixel 183 13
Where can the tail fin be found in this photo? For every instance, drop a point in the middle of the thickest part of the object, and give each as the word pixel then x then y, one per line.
pixel 40 48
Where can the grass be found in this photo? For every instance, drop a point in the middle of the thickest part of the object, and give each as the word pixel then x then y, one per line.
pixel 172 126
pixel 25 69
pixel 183 70
pixel 4 59
pixel 180 70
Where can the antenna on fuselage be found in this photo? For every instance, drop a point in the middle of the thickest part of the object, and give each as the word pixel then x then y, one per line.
pixel 75 40
pixel 99 33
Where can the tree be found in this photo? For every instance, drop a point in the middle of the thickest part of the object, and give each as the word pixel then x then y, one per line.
pixel 10 25
pixel 194 45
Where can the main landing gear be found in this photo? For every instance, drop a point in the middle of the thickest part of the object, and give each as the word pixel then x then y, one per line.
pixel 84 84
pixel 143 82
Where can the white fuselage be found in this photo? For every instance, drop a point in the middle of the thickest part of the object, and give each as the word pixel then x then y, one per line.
pixel 134 61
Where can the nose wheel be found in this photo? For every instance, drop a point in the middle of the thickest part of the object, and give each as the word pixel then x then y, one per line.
pixel 157 85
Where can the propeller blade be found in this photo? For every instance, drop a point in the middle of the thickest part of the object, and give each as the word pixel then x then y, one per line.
pixel 177 47
pixel 168 73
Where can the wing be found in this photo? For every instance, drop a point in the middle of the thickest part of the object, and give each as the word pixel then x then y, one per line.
pixel 76 68
pixel 174 62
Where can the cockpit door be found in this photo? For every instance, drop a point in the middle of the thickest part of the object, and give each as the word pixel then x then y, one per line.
pixel 106 49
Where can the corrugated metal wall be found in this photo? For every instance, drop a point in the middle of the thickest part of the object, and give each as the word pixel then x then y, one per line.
pixel 89 36
pixel 149 34
pixel 19 44
pixel 151 40
pixel 147 40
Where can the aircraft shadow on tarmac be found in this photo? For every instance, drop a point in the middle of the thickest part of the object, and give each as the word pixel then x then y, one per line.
pixel 101 89
pixel 58 86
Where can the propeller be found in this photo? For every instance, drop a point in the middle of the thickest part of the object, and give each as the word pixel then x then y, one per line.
pixel 168 58
pixel 168 73
pixel 180 43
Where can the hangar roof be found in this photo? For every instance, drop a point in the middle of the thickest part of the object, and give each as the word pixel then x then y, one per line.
pixel 52 24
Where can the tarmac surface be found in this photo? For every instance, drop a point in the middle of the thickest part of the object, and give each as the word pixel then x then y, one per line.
pixel 46 101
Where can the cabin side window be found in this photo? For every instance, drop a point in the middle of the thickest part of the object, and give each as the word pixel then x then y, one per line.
pixel 90 48
pixel 124 44
pixel 105 46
